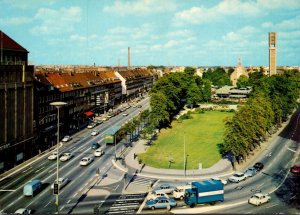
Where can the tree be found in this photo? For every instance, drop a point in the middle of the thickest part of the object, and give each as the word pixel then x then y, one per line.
pixel 242 82
pixel 190 71
pixel 206 90
pixel 159 112
pixel 193 95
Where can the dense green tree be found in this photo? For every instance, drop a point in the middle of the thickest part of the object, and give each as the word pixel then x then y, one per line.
pixel 194 95
pixel 189 71
pixel 159 111
pixel 242 82
pixel 218 77
pixel 206 90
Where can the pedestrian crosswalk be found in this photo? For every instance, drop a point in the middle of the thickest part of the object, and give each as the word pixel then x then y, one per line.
pixel 142 181
pixel 124 204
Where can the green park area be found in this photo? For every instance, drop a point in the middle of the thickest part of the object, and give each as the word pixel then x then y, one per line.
pixel 201 134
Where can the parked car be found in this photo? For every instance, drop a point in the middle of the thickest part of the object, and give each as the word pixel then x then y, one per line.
pixel 95 145
pixel 139 106
pixel 165 188
pixel 66 138
pixel 258 166
pixel 53 156
pixel 258 199
pixel 295 169
pixel 224 181
pixel 161 202
pixel 61 183
pixel 153 195
pixel 92 125
pixel 98 153
pixel 250 172
pixel 94 133
pixel 85 161
pixel 66 156
pixel 125 114
pixel 23 211
pixel 237 177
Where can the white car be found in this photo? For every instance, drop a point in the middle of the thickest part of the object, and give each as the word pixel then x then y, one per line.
pixel 258 199
pixel 85 161
pixel 178 193
pixel 98 153
pixel 23 211
pixel 61 183
pixel 165 188
pixel 223 181
pixel 250 172
pixel 153 195
pixel 92 125
pixel 125 114
pixel 237 177
pixel 66 156
pixel 53 156
pixel 94 133
pixel 66 138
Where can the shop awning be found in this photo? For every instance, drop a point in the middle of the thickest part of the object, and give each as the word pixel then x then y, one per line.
pixel 89 113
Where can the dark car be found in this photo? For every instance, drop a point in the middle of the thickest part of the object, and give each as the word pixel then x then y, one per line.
pixel 295 169
pixel 258 166
pixel 95 145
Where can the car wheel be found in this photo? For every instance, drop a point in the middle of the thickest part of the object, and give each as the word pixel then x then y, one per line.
pixel 181 197
pixel 152 207
pixel 192 205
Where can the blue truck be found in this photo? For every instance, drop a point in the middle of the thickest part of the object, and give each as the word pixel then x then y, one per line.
pixel 210 191
pixel 32 187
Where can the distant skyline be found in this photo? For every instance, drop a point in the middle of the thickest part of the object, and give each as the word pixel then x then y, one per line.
pixel 158 32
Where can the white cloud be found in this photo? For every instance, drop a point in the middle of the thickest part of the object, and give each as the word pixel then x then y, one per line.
pixel 267 25
pixel 56 21
pixel 200 15
pixel 78 38
pixel 140 7
pixel 15 21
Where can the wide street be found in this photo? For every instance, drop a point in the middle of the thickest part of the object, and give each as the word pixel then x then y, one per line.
pixel 86 190
pixel 80 177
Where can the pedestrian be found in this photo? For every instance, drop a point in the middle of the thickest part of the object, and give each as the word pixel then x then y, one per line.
pixel 133 156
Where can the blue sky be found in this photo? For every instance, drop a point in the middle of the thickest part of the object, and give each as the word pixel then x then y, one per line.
pixel 159 32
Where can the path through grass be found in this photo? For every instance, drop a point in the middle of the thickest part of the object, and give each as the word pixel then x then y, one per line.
pixel 202 134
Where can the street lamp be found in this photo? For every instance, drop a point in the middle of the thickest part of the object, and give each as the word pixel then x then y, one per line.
pixel 57 105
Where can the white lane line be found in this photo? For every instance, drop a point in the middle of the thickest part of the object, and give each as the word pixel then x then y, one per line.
pixel 116 187
pixel 271 206
pixel 62 208
pixel 68 201
pixel 291 150
pixel 7 190
pixel 39 169
pixel 75 194
pixel 47 204
pixel 27 169
pixel 86 184
pixel 72 148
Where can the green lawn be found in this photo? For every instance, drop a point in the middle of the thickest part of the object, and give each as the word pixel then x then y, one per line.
pixel 202 134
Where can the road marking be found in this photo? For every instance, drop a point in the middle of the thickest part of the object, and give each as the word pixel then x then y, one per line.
pixel 68 201
pixel 62 208
pixel 7 190
pixel 272 206
pixel 39 169
pixel 47 204
pixel 72 148
pixel 116 187
pixel 27 169
pixel 75 194
pixel 291 150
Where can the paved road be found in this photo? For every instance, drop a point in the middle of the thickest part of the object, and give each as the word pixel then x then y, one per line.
pixel 80 178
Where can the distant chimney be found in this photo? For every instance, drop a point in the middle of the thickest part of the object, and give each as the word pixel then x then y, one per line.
pixel 128 58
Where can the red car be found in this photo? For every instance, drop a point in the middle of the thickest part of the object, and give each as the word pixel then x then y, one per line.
pixel 295 169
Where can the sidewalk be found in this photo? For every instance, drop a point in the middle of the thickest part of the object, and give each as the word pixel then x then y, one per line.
pixel 222 168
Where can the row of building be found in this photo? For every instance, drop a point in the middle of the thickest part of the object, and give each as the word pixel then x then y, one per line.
pixel 29 123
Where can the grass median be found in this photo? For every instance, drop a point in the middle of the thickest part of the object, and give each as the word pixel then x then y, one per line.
pixel 201 136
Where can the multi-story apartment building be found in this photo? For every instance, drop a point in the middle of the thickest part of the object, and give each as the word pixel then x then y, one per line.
pixel 17 125
pixel 135 82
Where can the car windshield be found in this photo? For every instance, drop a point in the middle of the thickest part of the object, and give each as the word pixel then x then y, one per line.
pixel 237 175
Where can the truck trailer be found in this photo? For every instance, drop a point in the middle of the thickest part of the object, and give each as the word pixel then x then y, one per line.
pixel 209 191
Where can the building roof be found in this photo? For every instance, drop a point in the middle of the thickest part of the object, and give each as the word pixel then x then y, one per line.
pixel 135 73
pixel 67 81
pixel 8 43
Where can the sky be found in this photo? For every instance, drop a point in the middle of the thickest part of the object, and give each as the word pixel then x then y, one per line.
pixel 158 32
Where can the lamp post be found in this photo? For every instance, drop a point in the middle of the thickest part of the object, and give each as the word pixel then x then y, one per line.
pixel 184 153
pixel 57 105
